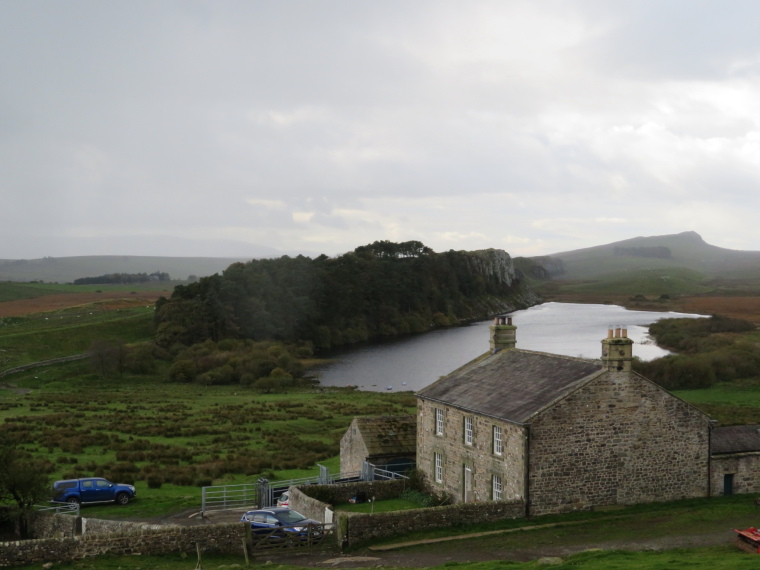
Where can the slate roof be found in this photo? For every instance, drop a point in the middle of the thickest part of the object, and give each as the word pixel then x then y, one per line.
pixel 735 439
pixel 512 384
pixel 388 435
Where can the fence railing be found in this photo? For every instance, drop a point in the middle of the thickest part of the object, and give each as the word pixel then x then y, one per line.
pixel 59 508
pixel 264 493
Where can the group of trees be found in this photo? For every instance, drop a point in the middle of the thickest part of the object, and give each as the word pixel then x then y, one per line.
pixel 264 366
pixel 123 278
pixel 707 353
pixel 381 289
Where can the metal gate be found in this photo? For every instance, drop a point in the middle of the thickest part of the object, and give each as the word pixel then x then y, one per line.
pixel 265 493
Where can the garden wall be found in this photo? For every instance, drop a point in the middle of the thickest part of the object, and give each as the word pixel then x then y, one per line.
pixel 226 538
pixel 354 528
pixel 56 526
pixel 312 500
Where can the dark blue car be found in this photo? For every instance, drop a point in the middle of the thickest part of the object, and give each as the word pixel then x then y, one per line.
pixel 281 522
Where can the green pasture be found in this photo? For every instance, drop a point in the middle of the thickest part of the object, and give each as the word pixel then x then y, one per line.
pixel 24 340
pixel 730 403
pixel 180 436
pixel 670 281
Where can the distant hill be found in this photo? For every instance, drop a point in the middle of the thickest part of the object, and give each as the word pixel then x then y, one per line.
pixel 686 250
pixel 67 269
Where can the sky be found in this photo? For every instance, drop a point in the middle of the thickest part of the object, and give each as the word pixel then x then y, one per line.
pixel 254 128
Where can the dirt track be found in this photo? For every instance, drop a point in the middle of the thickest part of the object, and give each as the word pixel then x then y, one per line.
pixel 110 300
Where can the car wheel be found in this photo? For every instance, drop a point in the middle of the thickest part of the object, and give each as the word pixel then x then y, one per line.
pixel 73 501
pixel 122 498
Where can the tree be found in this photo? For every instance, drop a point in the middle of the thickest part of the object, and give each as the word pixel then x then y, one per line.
pixel 107 357
pixel 23 484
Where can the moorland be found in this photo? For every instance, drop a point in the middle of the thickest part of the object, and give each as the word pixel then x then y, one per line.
pixel 130 413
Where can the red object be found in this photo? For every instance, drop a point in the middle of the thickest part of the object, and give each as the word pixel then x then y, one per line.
pixel 748 540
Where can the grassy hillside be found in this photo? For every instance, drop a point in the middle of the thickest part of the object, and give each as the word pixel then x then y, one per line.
pixel 686 251
pixel 67 269
pixel 670 281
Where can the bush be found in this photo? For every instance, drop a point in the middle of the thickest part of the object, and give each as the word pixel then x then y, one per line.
pixel 154 481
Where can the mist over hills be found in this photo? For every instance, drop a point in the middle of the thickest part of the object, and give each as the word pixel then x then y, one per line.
pixel 686 250
pixel 67 269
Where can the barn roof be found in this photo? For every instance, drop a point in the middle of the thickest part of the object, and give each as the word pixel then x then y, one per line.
pixel 388 435
pixel 735 439
pixel 512 384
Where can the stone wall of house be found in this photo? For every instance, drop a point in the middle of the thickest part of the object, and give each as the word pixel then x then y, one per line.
pixel 619 439
pixel 479 457
pixel 353 450
pixel 355 528
pixel 745 467
pixel 225 538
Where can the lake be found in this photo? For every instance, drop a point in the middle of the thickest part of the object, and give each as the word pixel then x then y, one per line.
pixel 413 362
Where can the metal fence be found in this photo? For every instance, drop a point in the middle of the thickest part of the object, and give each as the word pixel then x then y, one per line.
pixel 264 493
pixel 59 508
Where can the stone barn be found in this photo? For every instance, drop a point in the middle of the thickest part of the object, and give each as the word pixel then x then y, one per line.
pixel 735 460
pixel 388 442
pixel 557 432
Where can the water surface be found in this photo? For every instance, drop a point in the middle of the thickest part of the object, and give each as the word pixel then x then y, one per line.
pixel 413 362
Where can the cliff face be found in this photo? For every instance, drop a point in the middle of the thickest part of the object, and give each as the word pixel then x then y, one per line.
pixel 493 263
pixel 497 264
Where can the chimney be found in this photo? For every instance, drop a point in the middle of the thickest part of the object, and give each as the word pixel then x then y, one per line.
pixel 617 349
pixel 503 334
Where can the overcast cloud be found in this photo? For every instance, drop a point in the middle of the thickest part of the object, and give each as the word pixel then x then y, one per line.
pixel 242 128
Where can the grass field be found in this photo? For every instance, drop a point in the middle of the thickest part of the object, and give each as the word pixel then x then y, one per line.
pixel 185 436
pixel 25 340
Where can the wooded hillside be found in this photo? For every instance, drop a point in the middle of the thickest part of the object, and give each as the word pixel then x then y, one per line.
pixel 381 289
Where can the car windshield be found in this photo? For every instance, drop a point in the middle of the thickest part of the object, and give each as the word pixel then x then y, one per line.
pixel 290 516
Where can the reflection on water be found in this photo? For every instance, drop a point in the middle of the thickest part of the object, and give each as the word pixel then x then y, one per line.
pixel 414 362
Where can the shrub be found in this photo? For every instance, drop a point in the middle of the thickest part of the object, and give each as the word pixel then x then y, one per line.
pixel 154 482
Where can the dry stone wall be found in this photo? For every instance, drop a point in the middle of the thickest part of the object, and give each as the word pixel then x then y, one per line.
pixel 356 528
pixel 225 538
pixel 311 500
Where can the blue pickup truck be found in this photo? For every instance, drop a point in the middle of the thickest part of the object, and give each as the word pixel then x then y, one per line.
pixel 92 490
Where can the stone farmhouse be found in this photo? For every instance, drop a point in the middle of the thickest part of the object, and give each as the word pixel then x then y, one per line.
pixel 559 433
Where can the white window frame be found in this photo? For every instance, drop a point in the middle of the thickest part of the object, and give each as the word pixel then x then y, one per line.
pixel 438 421
pixel 438 467
pixel 468 437
pixel 498 440
pixel 496 487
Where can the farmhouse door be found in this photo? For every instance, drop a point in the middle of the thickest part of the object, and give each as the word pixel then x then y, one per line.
pixel 728 484
pixel 468 494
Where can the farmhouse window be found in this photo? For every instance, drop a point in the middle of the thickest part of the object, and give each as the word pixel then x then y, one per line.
pixel 496 488
pixel 498 445
pixel 438 421
pixel 468 430
pixel 438 467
